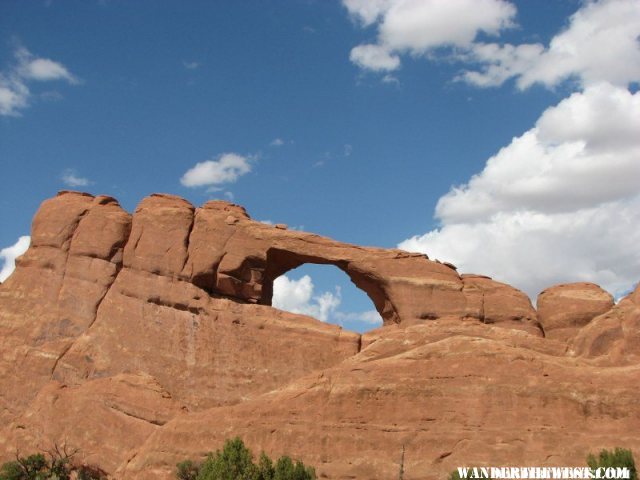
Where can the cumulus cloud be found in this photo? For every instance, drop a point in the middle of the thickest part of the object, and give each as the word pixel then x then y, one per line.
pixel 297 296
pixel 599 44
pixel 71 178
pixel 226 169
pixel 559 203
pixel 419 26
pixel 8 256
pixel 276 142
pixel 374 57
pixel 14 90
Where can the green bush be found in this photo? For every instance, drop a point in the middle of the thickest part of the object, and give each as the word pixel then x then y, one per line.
pixel 286 470
pixel 235 462
pixel 617 458
pixel 187 470
pixel 58 466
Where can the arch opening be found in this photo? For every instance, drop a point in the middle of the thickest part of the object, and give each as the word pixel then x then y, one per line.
pixel 324 292
pixel 280 261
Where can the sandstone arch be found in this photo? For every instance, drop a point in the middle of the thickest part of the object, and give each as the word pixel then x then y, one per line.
pixel 225 252
pixel 279 262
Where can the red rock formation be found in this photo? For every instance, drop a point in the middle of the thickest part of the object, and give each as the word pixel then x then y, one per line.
pixel 564 309
pixel 613 338
pixel 150 338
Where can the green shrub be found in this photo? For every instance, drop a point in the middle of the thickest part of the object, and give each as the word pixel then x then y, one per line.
pixel 187 470
pixel 58 466
pixel 286 470
pixel 235 462
pixel 265 468
pixel 617 458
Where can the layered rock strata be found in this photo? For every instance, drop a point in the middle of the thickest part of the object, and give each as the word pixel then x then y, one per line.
pixel 145 339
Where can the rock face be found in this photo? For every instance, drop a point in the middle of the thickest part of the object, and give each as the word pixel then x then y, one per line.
pixel 564 309
pixel 145 339
pixel 613 338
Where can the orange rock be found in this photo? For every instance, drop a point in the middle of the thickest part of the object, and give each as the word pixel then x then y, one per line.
pixel 148 339
pixel 613 338
pixel 499 303
pixel 564 309
pixel 452 393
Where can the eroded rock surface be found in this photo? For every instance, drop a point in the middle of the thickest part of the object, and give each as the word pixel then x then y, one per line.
pixel 564 309
pixel 453 393
pixel 613 338
pixel 145 339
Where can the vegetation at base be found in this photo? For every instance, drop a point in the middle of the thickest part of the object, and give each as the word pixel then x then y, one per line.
pixel 235 462
pixel 57 464
pixel 619 457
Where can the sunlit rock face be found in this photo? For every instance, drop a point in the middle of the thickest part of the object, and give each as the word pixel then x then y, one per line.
pixel 145 339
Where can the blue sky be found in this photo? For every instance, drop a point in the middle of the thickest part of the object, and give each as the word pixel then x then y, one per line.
pixel 500 135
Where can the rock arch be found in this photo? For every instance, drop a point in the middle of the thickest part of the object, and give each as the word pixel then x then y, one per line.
pixel 279 262
pixel 220 249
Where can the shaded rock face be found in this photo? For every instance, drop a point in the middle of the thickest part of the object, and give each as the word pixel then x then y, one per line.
pixel 145 339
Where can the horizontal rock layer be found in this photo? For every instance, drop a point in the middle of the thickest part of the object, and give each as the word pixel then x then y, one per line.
pixel 145 339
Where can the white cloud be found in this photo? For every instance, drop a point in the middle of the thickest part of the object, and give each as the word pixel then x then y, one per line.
pixel 374 57
pixel 8 256
pixel 370 317
pixel 419 26
pixel 277 142
pixel 71 178
pixel 297 296
pixel 41 69
pixel 226 169
pixel 14 92
pixel 14 95
pixel 559 203
pixel 599 44
pixel 582 152
pixel 500 62
pixel 367 11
